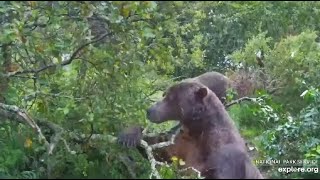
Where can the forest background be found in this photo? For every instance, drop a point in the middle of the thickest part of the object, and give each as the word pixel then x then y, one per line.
pixel 75 74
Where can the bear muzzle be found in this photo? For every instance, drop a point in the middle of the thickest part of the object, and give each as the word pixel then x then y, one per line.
pixel 152 115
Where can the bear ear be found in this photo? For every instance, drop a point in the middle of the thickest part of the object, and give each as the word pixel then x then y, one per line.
pixel 201 93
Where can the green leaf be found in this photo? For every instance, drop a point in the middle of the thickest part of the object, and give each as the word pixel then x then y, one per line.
pixel 147 32
pixel 91 117
pixel 318 149
pixel 65 110
pixel 152 5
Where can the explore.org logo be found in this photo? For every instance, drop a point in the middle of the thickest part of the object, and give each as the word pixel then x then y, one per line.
pixel 291 166
pixel 298 169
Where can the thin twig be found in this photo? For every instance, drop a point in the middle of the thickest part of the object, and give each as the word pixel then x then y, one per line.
pixel 39 93
pixel 35 89
pixel 67 146
pixel 239 100
pixel 193 169
pixel 167 143
pixel 63 63
pixel 58 132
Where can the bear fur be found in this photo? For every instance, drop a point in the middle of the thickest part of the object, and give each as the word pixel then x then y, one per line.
pixel 213 144
pixel 215 81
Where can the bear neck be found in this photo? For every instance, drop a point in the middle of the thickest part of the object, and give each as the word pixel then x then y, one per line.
pixel 213 117
pixel 214 126
pixel 216 115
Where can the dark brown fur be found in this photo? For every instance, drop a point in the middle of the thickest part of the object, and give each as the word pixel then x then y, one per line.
pixel 214 145
pixel 215 81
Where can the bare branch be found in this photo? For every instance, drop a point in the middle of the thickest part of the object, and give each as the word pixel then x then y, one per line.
pixel 168 143
pixel 149 148
pixel 13 112
pixel 151 159
pixel 193 169
pixel 239 100
pixel 67 146
pixel 113 139
pixel 63 63
pixel 35 89
pixel 56 137
pixel 57 95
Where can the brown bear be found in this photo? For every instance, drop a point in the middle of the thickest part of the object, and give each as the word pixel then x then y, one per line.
pixel 132 136
pixel 213 144
pixel 215 81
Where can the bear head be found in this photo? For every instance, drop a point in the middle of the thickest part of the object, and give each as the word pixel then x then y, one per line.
pixel 186 102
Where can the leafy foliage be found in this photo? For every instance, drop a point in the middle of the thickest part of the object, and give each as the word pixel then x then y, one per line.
pixel 94 67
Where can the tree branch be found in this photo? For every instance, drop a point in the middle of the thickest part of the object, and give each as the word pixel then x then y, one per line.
pixel 57 95
pixel 167 143
pixel 152 160
pixel 194 170
pixel 63 63
pixel 13 112
pixel 239 100
pixel 143 144
pixel 56 137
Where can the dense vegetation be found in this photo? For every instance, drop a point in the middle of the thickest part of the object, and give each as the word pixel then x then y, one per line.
pixel 83 71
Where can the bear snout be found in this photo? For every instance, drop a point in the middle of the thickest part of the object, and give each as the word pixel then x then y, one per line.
pixel 153 114
pixel 160 112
